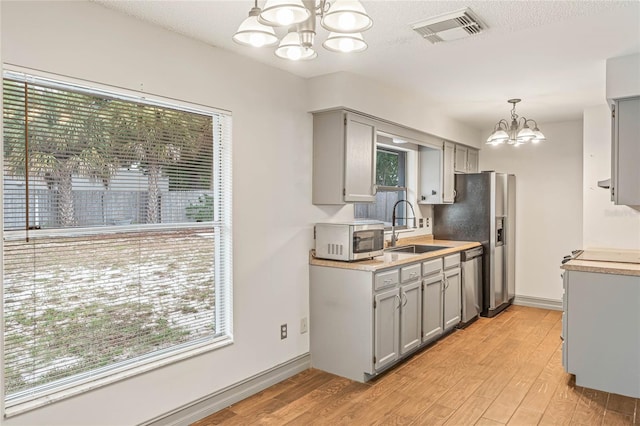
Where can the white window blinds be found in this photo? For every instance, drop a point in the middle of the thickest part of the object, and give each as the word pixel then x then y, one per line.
pixel 117 232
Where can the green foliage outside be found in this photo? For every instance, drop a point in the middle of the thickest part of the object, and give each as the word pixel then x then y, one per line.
pixel 201 210
pixel 387 168
pixel 80 134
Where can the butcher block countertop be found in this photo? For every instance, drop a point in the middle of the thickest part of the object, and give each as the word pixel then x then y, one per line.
pixel 390 259
pixel 606 261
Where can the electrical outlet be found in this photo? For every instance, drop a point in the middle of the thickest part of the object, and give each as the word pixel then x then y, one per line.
pixel 303 325
pixel 421 222
pixel 283 331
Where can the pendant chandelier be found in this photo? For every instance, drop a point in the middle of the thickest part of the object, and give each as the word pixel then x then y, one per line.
pixel 344 19
pixel 517 132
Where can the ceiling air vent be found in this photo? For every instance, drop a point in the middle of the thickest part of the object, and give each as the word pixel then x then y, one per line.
pixel 450 26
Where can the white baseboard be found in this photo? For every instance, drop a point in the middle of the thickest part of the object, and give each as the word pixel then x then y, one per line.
pixel 538 302
pixel 223 398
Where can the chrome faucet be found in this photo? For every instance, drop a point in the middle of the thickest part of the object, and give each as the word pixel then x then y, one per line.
pixel 394 237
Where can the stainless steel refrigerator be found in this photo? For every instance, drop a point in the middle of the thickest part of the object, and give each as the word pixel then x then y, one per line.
pixel 484 211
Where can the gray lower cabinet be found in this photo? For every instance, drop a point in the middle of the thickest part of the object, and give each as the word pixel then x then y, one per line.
pixel 410 316
pixel 397 314
pixel 387 327
pixel 432 308
pixel 363 322
pixel 601 331
pixel 452 298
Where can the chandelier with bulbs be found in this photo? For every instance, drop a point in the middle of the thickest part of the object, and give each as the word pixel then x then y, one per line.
pixel 517 132
pixel 344 19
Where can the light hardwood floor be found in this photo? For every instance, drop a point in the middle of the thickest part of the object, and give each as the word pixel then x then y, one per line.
pixel 504 370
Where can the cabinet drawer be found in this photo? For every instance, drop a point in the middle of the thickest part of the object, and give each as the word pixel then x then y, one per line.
pixel 452 261
pixel 386 279
pixel 431 267
pixel 410 273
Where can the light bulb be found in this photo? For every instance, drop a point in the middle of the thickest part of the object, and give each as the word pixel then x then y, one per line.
pixel 284 16
pixel 294 53
pixel 347 21
pixel 257 40
pixel 346 45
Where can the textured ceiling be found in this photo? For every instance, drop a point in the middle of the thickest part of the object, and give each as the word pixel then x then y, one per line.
pixel 549 53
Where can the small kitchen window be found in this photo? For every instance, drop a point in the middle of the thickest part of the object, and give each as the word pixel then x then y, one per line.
pixel 391 181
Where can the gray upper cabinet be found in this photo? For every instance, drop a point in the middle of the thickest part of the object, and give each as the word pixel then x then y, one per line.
pixel 466 159
pixel 460 165
pixel 625 152
pixel 344 158
pixel 448 183
pixel 436 174
pixel 472 161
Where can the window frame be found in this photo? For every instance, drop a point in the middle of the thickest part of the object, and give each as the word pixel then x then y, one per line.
pixel 390 189
pixel 223 275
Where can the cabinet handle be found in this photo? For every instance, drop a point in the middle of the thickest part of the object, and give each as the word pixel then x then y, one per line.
pixel 405 300
pixel 387 281
pixel 399 301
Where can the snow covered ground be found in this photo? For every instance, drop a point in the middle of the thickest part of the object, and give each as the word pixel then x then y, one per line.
pixel 77 303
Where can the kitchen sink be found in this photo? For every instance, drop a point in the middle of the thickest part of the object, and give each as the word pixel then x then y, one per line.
pixel 417 249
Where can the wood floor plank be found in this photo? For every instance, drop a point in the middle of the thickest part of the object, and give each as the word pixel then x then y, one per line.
pixel 216 419
pixel 563 403
pixel 590 407
pixel 487 422
pixel 249 404
pixel 460 392
pixel 436 415
pixel 496 371
pixel 525 416
pixel 307 402
pixel 469 412
pixel 512 395
pixel 621 404
pixel 613 418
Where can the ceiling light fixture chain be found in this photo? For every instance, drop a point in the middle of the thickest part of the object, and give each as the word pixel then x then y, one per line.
pixel 517 132
pixel 344 19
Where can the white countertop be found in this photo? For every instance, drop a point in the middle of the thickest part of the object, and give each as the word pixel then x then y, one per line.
pixel 606 261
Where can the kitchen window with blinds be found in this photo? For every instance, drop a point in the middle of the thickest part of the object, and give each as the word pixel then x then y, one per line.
pixel 116 235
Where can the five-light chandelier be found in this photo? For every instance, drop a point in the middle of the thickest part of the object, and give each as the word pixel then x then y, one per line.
pixel 517 132
pixel 344 19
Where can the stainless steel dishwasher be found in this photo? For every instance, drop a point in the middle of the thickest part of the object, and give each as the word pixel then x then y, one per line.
pixel 471 284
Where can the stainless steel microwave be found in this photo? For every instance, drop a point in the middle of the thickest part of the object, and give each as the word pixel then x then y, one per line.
pixel 349 241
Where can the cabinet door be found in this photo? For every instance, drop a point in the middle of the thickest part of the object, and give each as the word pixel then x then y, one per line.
pixel 430 173
pixel 432 308
pixel 448 188
pixel 472 161
pixel 387 327
pixel 625 152
pixel 410 316
pixel 460 163
pixel 452 308
pixel 360 159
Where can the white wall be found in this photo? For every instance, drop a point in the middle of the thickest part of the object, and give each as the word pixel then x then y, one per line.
pixel 548 204
pixel 604 224
pixel 273 214
pixel 348 90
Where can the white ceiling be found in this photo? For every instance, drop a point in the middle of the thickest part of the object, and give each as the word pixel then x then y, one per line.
pixel 549 53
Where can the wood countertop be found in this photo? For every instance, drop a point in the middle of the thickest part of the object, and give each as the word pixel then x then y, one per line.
pixel 606 261
pixel 391 259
